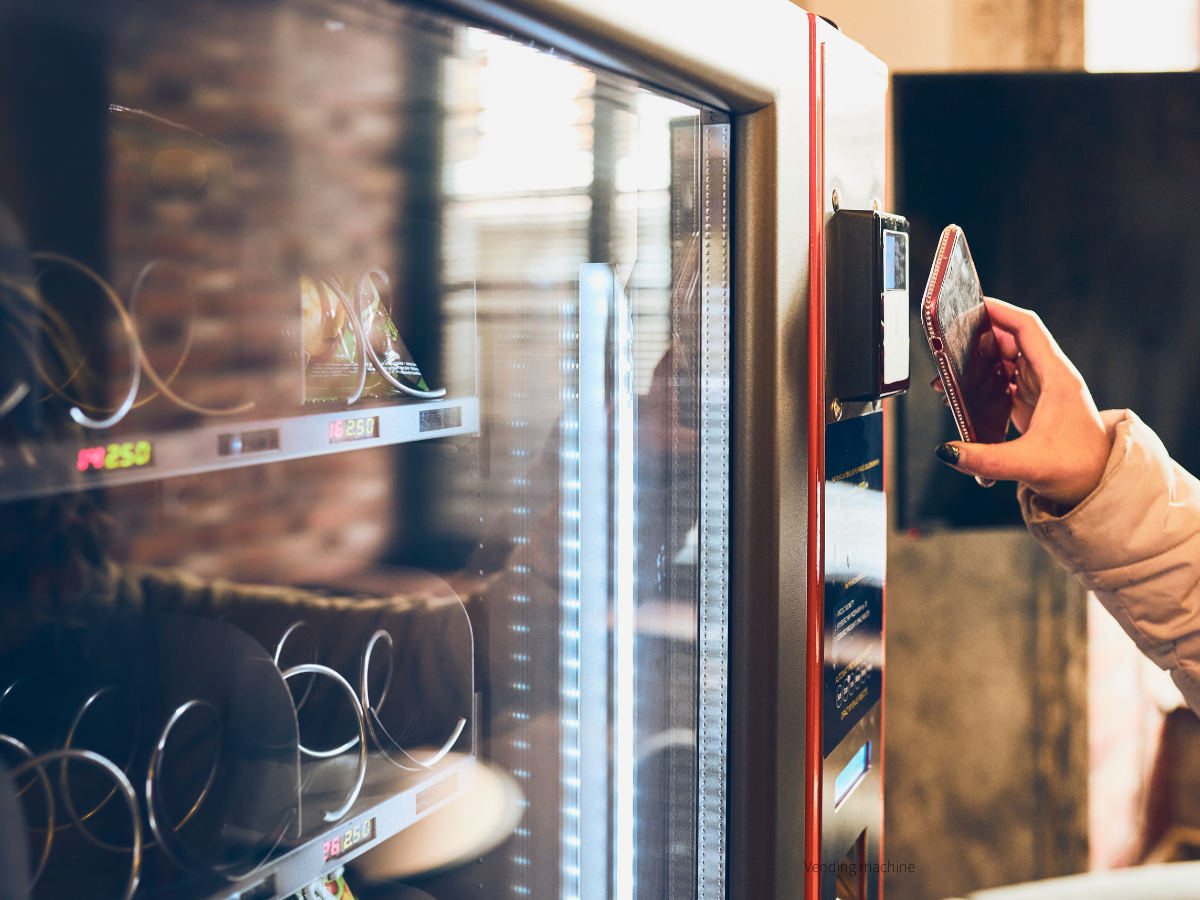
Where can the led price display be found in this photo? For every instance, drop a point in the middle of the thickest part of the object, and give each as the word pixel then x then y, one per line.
pixel 114 456
pixel 354 836
pixel 353 429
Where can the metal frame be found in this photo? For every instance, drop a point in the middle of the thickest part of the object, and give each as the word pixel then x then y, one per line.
pixel 854 169
pixel 713 652
pixel 814 640
pixel 53 468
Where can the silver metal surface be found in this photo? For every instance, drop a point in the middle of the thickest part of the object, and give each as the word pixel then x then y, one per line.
pixel 301 866
pixel 64 778
pixel 124 788
pixel 163 828
pixel 51 468
pixel 738 57
pixel 315 669
pixel 375 725
pixel 855 154
pixel 47 794
pixel 855 166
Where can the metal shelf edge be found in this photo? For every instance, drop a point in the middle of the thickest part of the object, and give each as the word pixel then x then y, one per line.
pixel 303 865
pixel 43 470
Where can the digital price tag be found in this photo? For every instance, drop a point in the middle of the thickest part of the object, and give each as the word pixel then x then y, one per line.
pixel 115 456
pixel 353 837
pixel 342 430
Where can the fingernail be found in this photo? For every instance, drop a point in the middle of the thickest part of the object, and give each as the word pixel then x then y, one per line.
pixel 947 453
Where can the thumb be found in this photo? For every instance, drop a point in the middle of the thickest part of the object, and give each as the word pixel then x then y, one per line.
pixel 1010 461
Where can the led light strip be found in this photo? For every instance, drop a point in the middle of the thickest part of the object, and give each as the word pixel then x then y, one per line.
pixel 713 651
pixel 625 561
pixel 605 811
pixel 520 613
pixel 569 574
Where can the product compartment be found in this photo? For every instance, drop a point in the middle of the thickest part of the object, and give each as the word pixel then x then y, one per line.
pixel 186 714
pixel 539 226
pixel 223 249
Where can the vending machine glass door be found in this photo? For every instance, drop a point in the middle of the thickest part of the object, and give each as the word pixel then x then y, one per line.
pixel 363 459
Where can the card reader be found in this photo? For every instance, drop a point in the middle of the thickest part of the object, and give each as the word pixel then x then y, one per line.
pixel 867 313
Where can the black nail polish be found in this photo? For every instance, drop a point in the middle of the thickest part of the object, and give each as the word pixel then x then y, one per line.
pixel 947 453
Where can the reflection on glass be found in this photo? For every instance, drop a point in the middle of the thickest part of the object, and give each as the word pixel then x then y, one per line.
pixel 370 341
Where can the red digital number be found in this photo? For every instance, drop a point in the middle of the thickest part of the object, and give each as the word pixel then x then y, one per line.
pixel 327 851
pixel 91 456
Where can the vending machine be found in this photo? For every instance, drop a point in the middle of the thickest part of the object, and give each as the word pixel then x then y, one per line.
pixel 441 450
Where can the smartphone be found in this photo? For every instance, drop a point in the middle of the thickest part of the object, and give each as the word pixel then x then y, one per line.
pixel 959 332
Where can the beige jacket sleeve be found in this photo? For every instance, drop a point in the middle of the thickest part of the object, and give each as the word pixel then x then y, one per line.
pixel 1135 542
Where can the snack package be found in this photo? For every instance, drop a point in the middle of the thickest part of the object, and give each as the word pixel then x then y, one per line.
pixel 331 887
pixel 349 360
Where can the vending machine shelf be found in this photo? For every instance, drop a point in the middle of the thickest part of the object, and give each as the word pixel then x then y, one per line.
pixel 42 469
pixel 387 805
pixel 394 805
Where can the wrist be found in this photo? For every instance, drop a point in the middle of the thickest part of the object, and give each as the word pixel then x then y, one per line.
pixel 1094 458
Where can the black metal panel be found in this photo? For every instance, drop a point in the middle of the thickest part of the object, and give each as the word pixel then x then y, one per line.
pixel 855 551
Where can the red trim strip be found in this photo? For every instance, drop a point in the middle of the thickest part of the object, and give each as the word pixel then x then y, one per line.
pixel 815 638
pixel 883 659
pixel 887 412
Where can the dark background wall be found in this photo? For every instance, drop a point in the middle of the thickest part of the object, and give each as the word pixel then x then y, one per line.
pixel 1078 195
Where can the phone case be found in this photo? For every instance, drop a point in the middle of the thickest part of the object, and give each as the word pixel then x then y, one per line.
pixel 959 331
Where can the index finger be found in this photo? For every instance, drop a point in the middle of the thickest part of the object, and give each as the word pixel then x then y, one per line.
pixel 1032 338
pixel 1006 343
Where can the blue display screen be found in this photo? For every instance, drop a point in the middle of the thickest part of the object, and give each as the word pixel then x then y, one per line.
pixel 895 261
pixel 850 776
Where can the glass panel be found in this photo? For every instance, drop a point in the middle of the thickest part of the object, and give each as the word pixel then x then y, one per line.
pixel 363 459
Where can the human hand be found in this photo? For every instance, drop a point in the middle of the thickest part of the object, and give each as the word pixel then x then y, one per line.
pixel 1064 444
